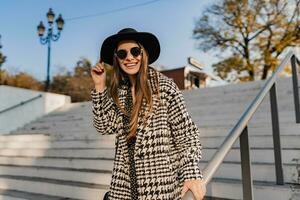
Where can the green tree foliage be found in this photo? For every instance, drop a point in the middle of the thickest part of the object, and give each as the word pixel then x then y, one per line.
pixel 251 33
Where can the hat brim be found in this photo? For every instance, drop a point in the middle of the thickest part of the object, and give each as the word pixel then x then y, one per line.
pixel 148 40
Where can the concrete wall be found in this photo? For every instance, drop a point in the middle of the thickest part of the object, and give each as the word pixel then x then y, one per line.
pixel 19 116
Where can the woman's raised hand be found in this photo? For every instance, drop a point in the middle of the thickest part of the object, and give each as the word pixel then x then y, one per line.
pixel 99 76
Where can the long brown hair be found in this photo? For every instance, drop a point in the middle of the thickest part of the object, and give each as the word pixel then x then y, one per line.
pixel 143 91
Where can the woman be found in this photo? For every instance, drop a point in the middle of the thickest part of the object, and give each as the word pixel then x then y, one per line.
pixel 157 144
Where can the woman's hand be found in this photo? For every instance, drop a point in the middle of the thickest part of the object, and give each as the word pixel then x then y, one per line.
pixel 197 187
pixel 98 74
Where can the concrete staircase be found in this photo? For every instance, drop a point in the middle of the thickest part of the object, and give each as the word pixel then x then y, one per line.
pixel 61 156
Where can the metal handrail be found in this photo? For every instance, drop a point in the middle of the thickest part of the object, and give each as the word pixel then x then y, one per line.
pixel 240 131
pixel 20 104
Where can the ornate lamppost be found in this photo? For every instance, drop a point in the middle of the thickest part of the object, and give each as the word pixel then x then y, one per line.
pixel 50 36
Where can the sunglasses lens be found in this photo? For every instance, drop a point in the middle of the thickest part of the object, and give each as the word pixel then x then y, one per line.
pixel 122 54
pixel 135 51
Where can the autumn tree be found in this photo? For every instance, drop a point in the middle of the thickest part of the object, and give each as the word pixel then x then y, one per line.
pixel 21 80
pixel 77 84
pixel 249 34
pixel 2 57
pixel 2 60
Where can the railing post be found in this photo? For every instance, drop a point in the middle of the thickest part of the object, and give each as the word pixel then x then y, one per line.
pixel 246 166
pixel 295 88
pixel 276 135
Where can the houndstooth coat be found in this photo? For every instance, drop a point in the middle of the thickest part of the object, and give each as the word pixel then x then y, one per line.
pixel 167 149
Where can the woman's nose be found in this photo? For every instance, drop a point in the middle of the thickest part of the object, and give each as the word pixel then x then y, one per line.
pixel 129 56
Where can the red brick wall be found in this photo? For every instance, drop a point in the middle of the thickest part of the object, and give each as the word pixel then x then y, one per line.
pixel 177 75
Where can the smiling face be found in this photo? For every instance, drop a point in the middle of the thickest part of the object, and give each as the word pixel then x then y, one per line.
pixel 131 63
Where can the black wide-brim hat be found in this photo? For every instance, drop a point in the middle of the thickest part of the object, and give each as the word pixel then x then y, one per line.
pixel 148 40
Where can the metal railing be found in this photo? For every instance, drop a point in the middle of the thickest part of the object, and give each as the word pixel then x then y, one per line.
pixel 20 104
pixel 240 131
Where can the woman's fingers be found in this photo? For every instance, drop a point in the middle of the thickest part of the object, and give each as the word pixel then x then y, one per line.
pixel 197 187
pixel 184 190
pixel 197 193
pixel 99 68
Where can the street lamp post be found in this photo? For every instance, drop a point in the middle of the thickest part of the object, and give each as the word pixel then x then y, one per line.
pixel 50 36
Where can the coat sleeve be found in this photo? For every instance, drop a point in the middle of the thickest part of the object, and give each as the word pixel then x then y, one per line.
pixel 106 117
pixel 186 135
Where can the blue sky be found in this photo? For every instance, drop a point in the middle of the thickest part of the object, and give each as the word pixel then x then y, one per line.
pixel 172 21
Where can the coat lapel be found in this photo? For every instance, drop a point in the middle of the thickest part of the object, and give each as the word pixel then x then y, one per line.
pixel 143 124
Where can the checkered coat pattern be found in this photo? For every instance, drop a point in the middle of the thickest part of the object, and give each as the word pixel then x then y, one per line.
pixel 167 150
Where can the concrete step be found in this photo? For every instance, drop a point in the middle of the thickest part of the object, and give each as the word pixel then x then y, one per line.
pixel 24 137
pixel 5 197
pixel 258 155
pixel 206 130
pixel 103 142
pixel 282 85
pixel 57 132
pixel 229 102
pixel 21 195
pixel 63 153
pixel 65 168
pixel 235 89
pixel 212 131
pixel 258 141
pixel 286 118
pixel 64 135
pixel 71 107
pixel 260 171
pixel 232 189
pixel 260 113
pixel 262 141
pixel 253 122
pixel 229 99
pixel 99 171
pixel 200 121
pixel 89 176
pixel 191 102
pixel 53 187
pixel 234 109
pixel 70 163
pixel 217 116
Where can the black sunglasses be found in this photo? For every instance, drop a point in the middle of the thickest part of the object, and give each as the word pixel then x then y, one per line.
pixel 134 51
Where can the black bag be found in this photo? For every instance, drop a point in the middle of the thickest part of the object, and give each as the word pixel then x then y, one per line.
pixel 106 196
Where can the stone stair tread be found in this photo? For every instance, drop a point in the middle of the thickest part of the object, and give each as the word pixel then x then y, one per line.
pixel 253 163
pixel 30 195
pixel 255 182
pixel 55 181
pixel 59 158
pixel 226 188
pixel 68 190
pixel 59 168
